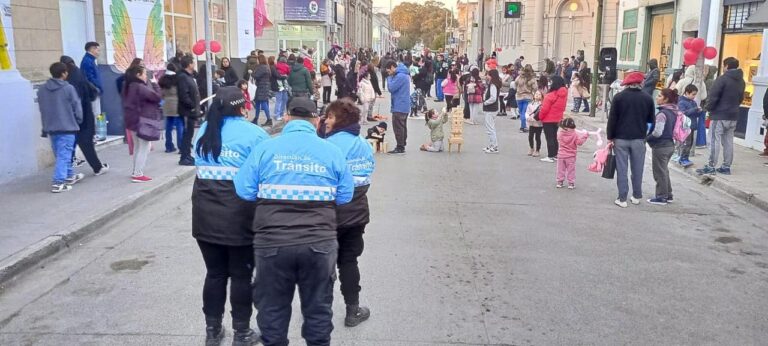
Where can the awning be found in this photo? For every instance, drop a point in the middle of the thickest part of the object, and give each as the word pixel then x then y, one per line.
pixel 759 18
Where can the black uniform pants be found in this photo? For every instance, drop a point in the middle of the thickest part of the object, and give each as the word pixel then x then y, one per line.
pixel 550 133
pixel 185 147
pixel 85 141
pixel 400 127
pixel 326 94
pixel 350 248
pixel 278 271
pixel 223 263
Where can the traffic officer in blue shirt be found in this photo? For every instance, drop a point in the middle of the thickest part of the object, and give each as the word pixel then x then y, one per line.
pixel 296 179
pixel 221 222
pixel 342 128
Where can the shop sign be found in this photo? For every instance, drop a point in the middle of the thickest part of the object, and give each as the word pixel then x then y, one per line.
pixel 299 32
pixel 305 10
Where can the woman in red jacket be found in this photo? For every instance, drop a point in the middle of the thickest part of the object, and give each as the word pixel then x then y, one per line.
pixel 552 109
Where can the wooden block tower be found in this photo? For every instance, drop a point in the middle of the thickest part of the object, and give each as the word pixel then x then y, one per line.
pixel 457 129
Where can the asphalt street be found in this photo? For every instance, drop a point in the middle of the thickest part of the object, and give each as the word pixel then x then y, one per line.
pixel 463 249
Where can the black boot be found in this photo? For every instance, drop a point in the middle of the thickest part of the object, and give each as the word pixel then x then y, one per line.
pixel 356 314
pixel 244 335
pixel 268 123
pixel 214 332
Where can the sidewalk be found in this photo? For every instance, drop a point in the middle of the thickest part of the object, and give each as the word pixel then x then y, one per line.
pixel 747 183
pixel 37 223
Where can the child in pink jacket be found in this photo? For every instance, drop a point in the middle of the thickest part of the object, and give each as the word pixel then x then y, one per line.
pixel 569 140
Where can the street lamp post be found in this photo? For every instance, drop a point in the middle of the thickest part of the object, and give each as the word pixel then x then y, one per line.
pixel 208 54
pixel 596 63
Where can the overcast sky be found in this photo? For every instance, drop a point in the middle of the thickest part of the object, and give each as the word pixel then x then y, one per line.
pixel 384 4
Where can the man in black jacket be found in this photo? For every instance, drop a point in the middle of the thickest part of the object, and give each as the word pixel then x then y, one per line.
pixel 189 108
pixel 630 114
pixel 441 72
pixel 723 102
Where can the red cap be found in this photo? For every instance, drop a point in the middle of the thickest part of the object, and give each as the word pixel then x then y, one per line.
pixel 633 78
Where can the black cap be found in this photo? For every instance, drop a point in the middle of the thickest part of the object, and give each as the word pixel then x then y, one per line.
pixel 383 125
pixel 229 100
pixel 302 107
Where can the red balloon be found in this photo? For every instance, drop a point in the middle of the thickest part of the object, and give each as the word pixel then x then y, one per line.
pixel 688 42
pixel 198 48
pixel 689 58
pixel 215 46
pixel 698 45
pixel 710 52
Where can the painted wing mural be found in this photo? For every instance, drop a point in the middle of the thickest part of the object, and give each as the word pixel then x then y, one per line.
pixel 154 41
pixel 124 40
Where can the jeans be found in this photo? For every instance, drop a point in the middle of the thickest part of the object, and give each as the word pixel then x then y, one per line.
pixel 660 165
pixel 550 133
pixel 522 105
pixel 281 101
pixel 227 263
pixel 721 133
pixel 566 169
pixel 258 106
pixel 701 138
pixel 439 89
pixel 630 153
pixel 326 95
pixel 534 132
pixel 140 154
pixel 685 147
pixel 170 123
pixel 490 129
pixel 400 128
pixel 63 146
pixel 185 147
pixel 277 272
pixel 577 104
pixel 351 246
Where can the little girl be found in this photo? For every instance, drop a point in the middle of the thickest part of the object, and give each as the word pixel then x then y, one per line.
pixel 435 124
pixel 535 127
pixel 569 140
pixel 243 85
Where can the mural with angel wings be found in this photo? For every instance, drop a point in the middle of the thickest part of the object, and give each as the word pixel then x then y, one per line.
pixel 121 45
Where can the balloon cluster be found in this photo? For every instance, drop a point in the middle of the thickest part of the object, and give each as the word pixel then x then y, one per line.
pixel 199 47
pixel 694 47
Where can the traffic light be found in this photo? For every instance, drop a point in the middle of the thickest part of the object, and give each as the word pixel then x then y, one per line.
pixel 513 9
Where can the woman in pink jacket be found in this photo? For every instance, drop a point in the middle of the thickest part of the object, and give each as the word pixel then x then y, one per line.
pixel 552 109
pixel 450 89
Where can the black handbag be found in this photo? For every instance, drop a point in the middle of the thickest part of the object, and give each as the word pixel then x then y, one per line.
pixel 609 170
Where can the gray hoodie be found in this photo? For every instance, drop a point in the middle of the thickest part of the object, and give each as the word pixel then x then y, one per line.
pixel 60 107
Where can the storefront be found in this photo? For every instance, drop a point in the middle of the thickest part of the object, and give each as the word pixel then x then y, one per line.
pixel 294 37
pixel 180 26
pixel 744 44
pixel 659 37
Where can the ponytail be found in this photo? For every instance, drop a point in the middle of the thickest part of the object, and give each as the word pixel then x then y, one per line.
pixel 210 142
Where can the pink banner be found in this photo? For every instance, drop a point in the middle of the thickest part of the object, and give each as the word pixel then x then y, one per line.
pixel 260 20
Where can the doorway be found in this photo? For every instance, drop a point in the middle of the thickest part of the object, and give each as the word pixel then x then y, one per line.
pixel 660 41
pixel 570 36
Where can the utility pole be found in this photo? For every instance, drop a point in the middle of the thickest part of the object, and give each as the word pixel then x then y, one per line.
pixel 596 63
pixel 208 54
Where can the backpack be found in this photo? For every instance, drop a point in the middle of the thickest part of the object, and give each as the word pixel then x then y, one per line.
pixel 682 126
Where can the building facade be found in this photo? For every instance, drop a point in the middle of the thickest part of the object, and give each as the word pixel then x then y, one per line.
pixel 357 27
pixel 382 39
pixel 465 16
pixel 546 28
pixel 656 30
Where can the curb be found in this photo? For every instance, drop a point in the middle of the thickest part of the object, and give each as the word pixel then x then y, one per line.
pixel 705 180
pixel 51 245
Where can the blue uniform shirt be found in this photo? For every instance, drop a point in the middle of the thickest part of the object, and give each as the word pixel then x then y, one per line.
pixel 296 166
pixel 359 156
pixel 238 138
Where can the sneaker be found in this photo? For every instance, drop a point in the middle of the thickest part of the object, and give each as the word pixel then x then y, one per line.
pixel 530 152
pixel 469 122
pixel 724 170
pixel 559 185
pixel 657 201
pixel 535 153
pixel 246 337
pixel 492 150
pixel 77 163
pixel 764 153
pixel 396 151
pixel 670 199
pixel 685 163
pixel 104 169
pixel 170 150
pixel 523 130
pixel 634 200
pixel 214 336
pixel 571 186
pixel 74 179
pixel 268 123
pixel 141 179
pixel 501 114
pixel 187 161
pixel 706 170
pixel 620 203
pixel 370 118
pixel 548 159
pixel 56 188
pixel 355 315
pixel 701 147
pixel 765 164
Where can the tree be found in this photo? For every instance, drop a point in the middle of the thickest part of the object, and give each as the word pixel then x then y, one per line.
pixel 417 22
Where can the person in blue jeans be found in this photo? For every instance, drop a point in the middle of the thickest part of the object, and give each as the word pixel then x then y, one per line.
pixel 61 112
pixel 168 85
pixel 441 73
